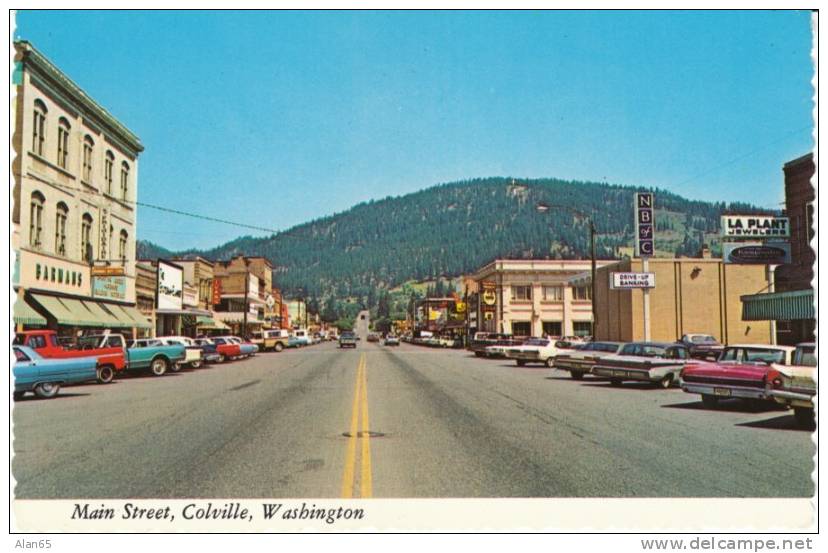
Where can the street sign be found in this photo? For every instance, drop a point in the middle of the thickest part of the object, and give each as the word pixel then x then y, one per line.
pixel 630 281
pixel 755 226
pixel 757 253
pixel 644 224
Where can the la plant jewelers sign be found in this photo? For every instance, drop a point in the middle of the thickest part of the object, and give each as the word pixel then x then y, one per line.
pixel 755 226
pixel 630 281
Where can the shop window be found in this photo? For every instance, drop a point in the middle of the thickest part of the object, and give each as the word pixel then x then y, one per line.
pixel 582 293
pixel 582 328
pixel 87 249
pixel 553 293
pixel 552 328
pixel 124 180
pixel 63 143
pixel 521 293
pixel 122 245
pixel 522 328
pixel 88 149
pixel 109 163
pixel 36 220
pixel 61 215
pixel 39 127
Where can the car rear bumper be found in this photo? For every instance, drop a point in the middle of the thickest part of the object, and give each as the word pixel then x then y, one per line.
pixel 794 399
pixel 624 374
pixel 742 392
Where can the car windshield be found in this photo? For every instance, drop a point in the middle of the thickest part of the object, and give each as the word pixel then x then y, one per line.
pixel 348 335
pixel 19 355
pixel 536 342
pixel 652 351
pixel 89 342
pixel 764 356
pixel 610 348
pixel 702 339
pixel 805 356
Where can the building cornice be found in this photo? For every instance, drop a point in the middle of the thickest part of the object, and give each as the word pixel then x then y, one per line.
pixel 54 78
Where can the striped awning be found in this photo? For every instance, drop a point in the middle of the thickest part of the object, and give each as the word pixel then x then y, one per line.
pixel 209 323
pixel 779 306
pixel 25 314
pixel 131 315
pixel 67 311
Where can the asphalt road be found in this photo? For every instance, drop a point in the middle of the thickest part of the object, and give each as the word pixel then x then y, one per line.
pixel 425 423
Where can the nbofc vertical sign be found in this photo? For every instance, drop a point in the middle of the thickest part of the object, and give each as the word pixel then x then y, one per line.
pixel 644 224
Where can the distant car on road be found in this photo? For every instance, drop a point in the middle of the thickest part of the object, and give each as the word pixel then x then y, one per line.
pixel 538 350
pixel 581 361
pixel 702 346
pixel 656 362
pixel 391 340
pixel 35 373
pixel 347 340
pixel 373 337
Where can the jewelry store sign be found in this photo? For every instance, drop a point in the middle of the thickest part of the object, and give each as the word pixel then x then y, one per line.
pixel 631 281
pixel 755 226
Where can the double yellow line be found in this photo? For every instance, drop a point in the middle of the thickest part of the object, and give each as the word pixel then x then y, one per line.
pixel 360 408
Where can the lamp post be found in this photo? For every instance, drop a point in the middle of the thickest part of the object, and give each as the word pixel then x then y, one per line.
pixel 544 208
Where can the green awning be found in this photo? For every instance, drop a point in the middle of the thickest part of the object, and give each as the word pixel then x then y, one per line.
pixel 108 320
pixel 131 315
pixel 25 314
pixel 779 306
pixel 67 311
pixel 210 323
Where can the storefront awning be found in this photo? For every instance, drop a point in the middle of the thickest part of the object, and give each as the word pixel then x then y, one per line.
pixel 108 320
pixel 209 323
pixel 135 317
pixel 25 314
pixel 67 311
pixel 779 306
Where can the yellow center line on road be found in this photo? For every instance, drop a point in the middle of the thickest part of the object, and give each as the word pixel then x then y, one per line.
pixel 359 407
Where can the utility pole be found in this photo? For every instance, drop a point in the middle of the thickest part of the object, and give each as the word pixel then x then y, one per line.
pixel 594 274
pixel 246 299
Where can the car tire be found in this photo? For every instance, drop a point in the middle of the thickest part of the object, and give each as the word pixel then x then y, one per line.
pixel 576 375
pixel 105 374
pixel 665 382
pixel 195 364
pixel 278 347
pixel 550 362
pixel 17 396
pixel 176 367
pixel 159 366
pixel 615 382
pixel 222 358
pixel 805 417
pixel 709 401
pixel 478 354
pixel 520 363
pixel 47 390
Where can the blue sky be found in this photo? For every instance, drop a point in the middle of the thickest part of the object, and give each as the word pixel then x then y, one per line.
pixel 276 118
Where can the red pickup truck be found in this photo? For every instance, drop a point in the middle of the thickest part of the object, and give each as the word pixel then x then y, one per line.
pixel 109 350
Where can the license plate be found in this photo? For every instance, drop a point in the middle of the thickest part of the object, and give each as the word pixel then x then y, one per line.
pixel 721 392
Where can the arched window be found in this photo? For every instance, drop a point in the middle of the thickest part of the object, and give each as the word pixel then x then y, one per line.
pixel 61 215
pixel 36 220
pixel 122 245
pixel 109 163
pixel 88 149
pixel 63 143
pixel 124 180
pixel 39 127
pixel 87 249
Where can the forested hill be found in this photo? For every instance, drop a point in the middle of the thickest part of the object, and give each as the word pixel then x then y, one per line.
pixel 454 228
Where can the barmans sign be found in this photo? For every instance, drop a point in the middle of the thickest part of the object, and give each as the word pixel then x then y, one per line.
pixel 753 226
pixel 629 281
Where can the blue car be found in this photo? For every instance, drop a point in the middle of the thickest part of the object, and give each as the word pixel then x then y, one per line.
pixel 44 377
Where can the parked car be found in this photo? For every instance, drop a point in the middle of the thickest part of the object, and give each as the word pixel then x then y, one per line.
pixel 34 373
pixel 209 351
pixel 152 354
pixel 498 344
pixel 702 346
pixel 192 352
pixel 581 361
pixel 347 340
pixel 106 348
pixel 301 338
pixel 226 349
pixel 391 340
pixel 537 350
pixel 271 340
pixel 795 385
pixel 245 348
pixel 447 341
pixel 741 371
pixel 656 362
